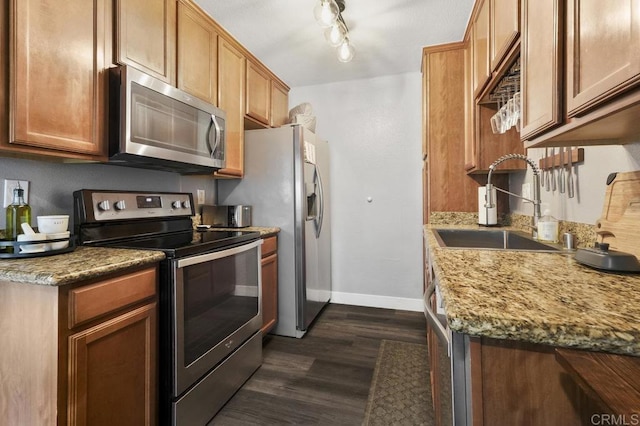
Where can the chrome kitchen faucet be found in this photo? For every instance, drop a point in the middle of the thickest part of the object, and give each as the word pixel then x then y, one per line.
pixel 536 188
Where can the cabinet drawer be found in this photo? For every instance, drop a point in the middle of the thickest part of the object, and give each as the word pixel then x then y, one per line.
pixel 95 300
pixel 269 246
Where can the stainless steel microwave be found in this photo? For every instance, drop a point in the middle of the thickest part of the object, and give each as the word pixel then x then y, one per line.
pixel 154 125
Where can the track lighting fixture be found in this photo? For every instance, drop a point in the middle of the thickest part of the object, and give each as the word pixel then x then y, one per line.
pixel 328 14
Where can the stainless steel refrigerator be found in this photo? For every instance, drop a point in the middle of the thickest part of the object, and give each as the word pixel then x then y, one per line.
pixel 286 181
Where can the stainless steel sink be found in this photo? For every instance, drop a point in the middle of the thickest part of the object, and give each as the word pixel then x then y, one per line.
pixel 494 239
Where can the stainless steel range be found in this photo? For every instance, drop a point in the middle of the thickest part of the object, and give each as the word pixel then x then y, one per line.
pixel 210 293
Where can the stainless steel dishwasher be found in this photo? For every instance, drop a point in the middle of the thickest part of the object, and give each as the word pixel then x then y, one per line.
pixel 453 373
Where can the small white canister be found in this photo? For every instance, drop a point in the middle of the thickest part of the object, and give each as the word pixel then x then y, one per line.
pixel 487 216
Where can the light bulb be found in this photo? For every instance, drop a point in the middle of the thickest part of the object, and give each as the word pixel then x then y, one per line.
pixel 346 52
pixel 326 12
pixel 335 34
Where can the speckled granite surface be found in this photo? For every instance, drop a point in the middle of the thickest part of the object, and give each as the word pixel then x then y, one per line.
pixel 79 265
pixel 263 230
pixel 537 297
pixel 88 262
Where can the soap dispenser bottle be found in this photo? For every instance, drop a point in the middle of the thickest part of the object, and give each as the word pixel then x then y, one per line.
pixel 548 228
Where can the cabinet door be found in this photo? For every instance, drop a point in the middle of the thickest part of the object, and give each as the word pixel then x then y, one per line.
pixel 541 66
pixel 231 79
pixel 480 48
pixel 258 103
pixel 197 65
pixel 449 187
pixel 603 41
pixel 505 28
pixel 279 104
pixel 4 74
pixel 145 36
pixel 470 146
pixel 269 293
pixel 535 380
pixel 57 71
pixel 112 371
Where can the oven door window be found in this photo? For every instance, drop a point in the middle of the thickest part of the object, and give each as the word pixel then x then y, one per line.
pixel 219 296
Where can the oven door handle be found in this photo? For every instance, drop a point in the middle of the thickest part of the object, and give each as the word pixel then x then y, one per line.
pixel 193 260
pixel 432 318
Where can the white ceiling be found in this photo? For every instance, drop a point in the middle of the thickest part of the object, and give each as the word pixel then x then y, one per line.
pixel 388 35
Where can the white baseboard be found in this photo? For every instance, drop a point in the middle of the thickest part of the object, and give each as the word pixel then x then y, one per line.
pixel 371 301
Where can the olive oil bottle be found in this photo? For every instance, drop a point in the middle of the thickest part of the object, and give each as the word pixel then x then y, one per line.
pixel 18 212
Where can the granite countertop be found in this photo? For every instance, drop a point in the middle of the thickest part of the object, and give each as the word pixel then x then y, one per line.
pixel 545 298
pixel 81 264
pixel 88 262
pixel 265 231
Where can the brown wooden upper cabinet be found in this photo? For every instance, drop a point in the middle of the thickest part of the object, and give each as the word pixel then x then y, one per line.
pixel 197 64
pixel 504 23
pixel 599 77
pixel 258 103
pixel 75 42
pixel 57 77
pixel 448 188
pixel 267 103
pixel 146 36
pixel 541 66
pixel 495 27
pixel 279 104
pixel 603 51
pixel 480 47
pixel 493 40
pixel 231 99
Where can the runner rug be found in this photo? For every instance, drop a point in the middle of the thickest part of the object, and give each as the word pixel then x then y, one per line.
pixel 400 392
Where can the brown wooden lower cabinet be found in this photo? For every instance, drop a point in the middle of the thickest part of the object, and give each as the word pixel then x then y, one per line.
pixel 609 380
pixel 269 284
pixel 82 354
pixel 510 383
pixel 521 383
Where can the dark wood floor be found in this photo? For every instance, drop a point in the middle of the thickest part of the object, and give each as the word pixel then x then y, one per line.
pixel 323 378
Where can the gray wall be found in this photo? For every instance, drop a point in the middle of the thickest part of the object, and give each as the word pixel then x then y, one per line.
pixel 374 131
pixel 51 185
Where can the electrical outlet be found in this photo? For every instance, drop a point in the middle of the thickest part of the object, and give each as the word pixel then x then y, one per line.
pixel 10 185
pixel 526 192
pixel 201 196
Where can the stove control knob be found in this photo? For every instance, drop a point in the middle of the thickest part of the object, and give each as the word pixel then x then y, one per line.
pixel 175 204
pixel 186 204
pixel 120 205
pixel 104 206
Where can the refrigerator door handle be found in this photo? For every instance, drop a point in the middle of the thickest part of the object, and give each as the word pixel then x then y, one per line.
pixel 321 203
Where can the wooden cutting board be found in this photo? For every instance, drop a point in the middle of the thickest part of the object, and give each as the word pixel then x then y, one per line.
pixel 619 225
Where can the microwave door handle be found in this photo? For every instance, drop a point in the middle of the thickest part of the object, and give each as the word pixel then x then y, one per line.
pixel 321 202
pixel 215 124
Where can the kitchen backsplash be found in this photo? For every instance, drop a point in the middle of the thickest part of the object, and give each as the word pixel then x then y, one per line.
pixel 51 185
